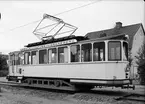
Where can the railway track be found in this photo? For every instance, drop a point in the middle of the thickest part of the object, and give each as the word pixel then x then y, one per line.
pixel 9 83
pixel 132 97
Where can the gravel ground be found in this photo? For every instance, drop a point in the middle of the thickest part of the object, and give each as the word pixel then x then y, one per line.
pixel 19 95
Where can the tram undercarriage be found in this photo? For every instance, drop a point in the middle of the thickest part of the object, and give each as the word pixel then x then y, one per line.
pixel 66 84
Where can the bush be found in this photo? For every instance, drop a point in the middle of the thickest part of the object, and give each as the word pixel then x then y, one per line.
pixel 141 64
pixel 3 73
pixel 3 65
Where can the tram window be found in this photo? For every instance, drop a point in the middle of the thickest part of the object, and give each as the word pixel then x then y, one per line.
pixel 12 60
pixel 39 82
pixel 27 58
pixel 42 56
pixel 86 52
pixel 52 55
pixel 99 51
pixel 20 59
pixel 125 51
pixel 45 82
pixel 62 55
pixel 114 51
pixel 17 59
pixel 34 57
pixel 75 53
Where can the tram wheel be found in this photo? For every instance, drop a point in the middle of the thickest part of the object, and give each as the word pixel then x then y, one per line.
pixel 57 83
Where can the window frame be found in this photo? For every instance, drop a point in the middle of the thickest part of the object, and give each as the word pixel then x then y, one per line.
pixel 63 54
pixel 37 57
pixel 29 63
pixel 43 57
pixel 21 61
pixel 120 51
pixel 127 58
pixel 90 52
pixel 79 58
pixel 104 51
pixel 50 58
pixel 12 59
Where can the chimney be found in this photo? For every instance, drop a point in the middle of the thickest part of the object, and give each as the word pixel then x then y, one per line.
pixel 118 25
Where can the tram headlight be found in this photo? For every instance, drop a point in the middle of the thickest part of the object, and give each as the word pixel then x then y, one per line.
pixel 126 75
pixel 20 71
pixel 127 68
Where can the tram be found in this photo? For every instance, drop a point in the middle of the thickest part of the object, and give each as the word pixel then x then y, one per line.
pixel 71 62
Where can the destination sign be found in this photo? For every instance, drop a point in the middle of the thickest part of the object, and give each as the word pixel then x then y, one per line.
pixel 51 45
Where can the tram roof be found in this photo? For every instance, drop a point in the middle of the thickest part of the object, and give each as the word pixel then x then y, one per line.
pixel 78 38
pixel 53 40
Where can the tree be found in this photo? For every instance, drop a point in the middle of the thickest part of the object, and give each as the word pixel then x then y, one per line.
pixel 141 64
pixel 3 65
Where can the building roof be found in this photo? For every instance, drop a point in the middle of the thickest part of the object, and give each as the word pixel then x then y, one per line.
pixel 129 30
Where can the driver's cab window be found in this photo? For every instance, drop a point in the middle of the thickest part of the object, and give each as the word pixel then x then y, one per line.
pixel 125 51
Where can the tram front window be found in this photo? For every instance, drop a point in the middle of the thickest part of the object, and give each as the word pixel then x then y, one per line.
pixel 114 49
pixel 75 53
pixel 125 51
pixel 86 52
pixel 99 51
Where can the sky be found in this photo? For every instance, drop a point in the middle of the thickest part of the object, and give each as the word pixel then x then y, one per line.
pixel 20 18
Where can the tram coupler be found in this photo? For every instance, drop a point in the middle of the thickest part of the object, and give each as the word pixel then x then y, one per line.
pixel 128 86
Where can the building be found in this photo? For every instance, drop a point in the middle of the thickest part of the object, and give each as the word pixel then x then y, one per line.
pixel 136 39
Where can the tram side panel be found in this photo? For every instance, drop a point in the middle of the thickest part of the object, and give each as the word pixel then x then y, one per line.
pixel 115 70
pixel 11 72
pixel 101 70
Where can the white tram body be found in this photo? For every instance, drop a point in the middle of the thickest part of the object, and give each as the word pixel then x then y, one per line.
pixel 74 61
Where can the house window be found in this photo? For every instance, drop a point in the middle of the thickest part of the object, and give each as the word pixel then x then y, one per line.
pixel 86 52
pixel 43 56
pixel 99 51
pixel 114 49
pixel 75 53
pixel 62 55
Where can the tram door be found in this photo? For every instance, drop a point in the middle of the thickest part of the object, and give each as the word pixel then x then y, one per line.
pixel 16 64
pixel 12 69
pixel 19 62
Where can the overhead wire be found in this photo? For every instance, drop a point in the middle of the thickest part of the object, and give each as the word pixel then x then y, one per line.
pixel 54 15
